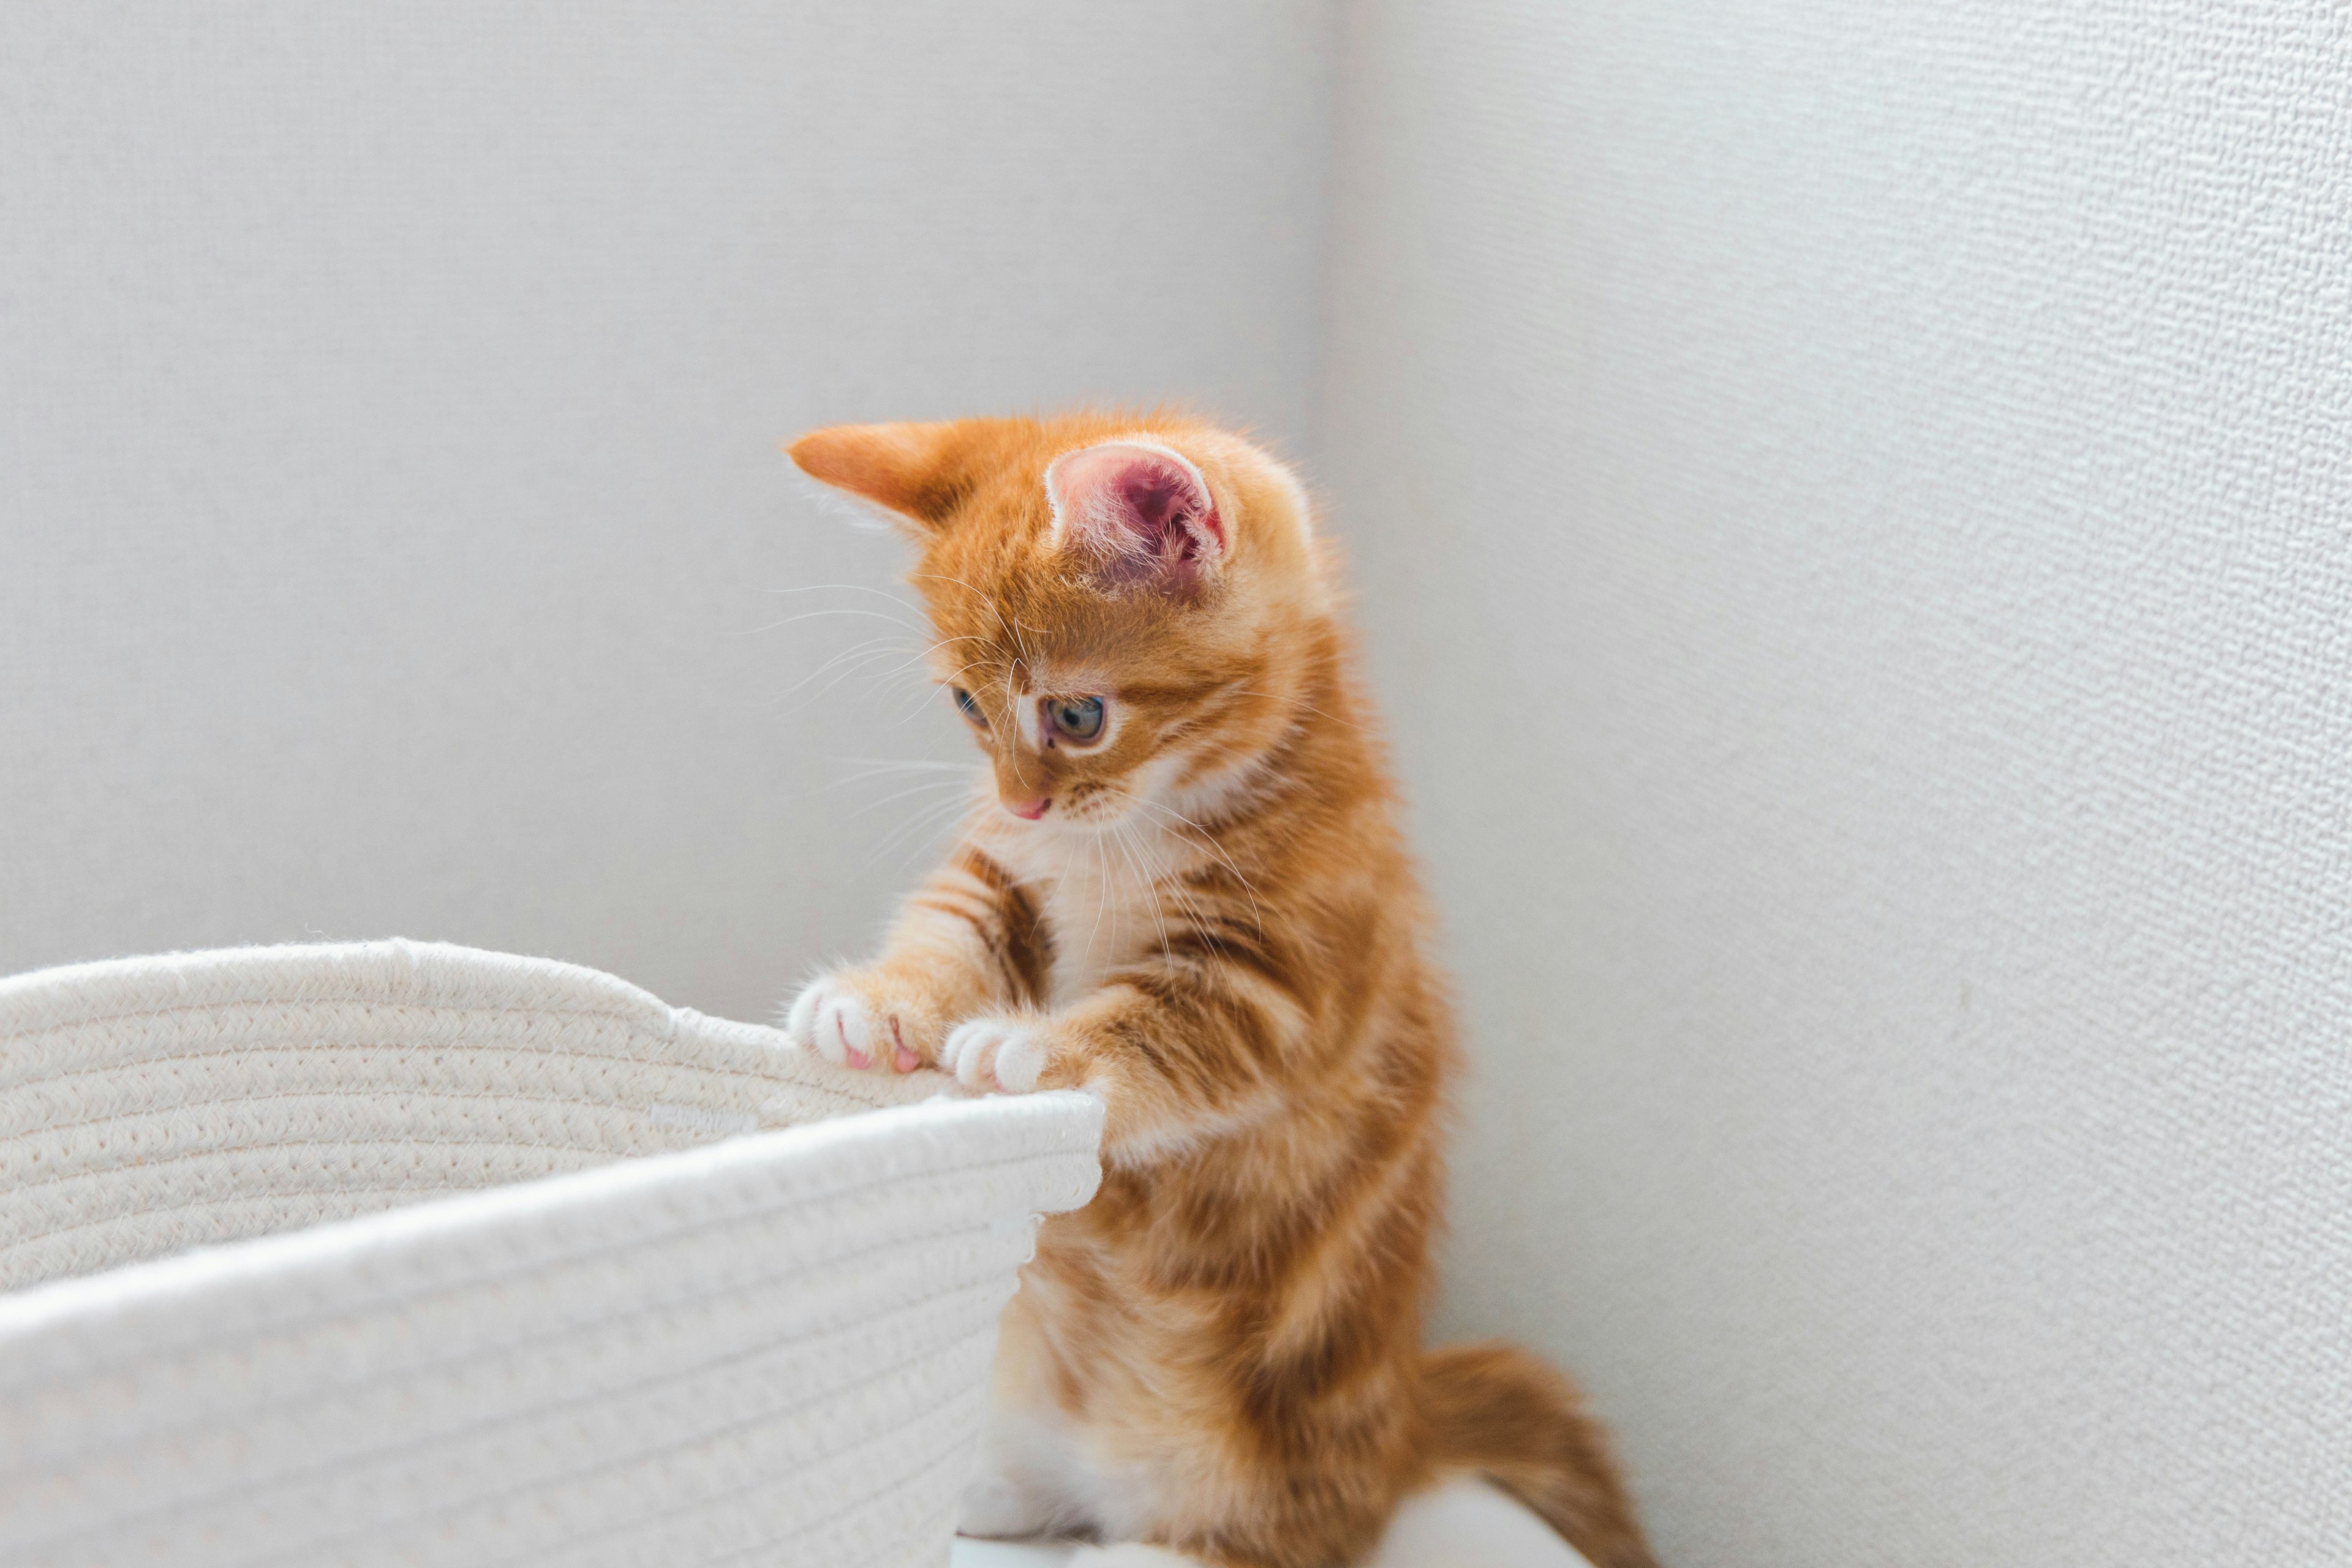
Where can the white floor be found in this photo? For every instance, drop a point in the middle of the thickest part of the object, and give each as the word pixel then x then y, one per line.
pixel 1463 1525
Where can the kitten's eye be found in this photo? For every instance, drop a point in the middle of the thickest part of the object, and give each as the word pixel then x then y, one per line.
pixel 970 709
pixel 1078 717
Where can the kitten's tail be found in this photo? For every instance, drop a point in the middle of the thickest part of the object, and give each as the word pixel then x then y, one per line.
pixel 1498 1411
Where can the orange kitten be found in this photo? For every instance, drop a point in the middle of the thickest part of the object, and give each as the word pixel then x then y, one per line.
pixel 1189 895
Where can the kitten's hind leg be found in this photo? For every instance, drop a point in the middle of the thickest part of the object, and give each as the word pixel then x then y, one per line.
pixel 1133 1554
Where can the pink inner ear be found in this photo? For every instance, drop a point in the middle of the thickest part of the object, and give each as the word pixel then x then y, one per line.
pixel 1144 513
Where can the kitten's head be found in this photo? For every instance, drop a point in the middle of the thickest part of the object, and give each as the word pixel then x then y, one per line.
pixel 1122 604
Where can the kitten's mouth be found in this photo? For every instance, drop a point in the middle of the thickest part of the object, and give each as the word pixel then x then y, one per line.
pixel 1089 807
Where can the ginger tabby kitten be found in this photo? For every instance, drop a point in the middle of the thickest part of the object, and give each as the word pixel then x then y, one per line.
pixel 1190 897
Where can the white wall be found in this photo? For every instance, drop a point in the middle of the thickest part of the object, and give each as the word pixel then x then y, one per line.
pixel 389 408
pixel 1854 506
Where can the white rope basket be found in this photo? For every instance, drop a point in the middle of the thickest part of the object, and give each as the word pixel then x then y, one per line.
pixel 498 1262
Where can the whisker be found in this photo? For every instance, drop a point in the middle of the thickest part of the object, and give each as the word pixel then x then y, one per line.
pixel 1188 908
pixel 1208 840
pixel 931 786
pixel 1102 891
pixel 814 614
pixel 924 694
pixel 850 588
pixel 882 648
pixel 862 665
pixel 922 827
pixel 1309 707
pixel 876 647
pixel 1150 883
pixel 896 770
pixel 1028 657
pixel 893 765
pixel 992 609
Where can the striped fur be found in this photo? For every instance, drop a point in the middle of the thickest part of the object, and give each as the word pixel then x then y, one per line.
pixel 1214 924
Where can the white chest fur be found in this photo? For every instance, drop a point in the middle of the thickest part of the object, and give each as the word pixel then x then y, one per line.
pixel 1104 910
pixel 1105 897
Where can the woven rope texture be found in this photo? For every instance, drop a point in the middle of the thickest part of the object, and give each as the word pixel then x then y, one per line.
pixel 763 1349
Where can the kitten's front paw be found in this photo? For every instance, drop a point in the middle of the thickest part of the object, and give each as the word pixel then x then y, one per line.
pixel 1000 1055
pixel 843 1020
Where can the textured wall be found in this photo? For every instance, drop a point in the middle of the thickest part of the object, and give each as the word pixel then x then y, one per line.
pixel 389 405
pixel 1854 503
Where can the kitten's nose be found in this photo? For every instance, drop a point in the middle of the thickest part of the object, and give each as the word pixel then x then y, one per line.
pixel 1028 809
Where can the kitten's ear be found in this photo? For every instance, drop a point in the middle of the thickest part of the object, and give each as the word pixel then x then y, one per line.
pixel 904 468
pixel 1142 512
